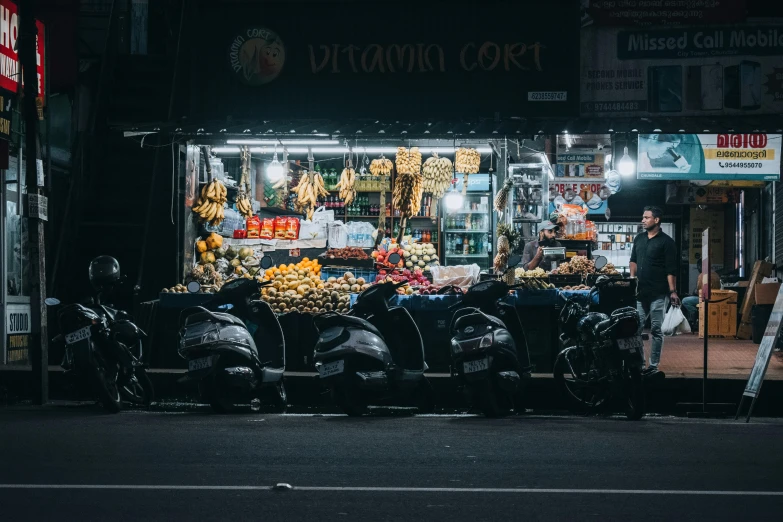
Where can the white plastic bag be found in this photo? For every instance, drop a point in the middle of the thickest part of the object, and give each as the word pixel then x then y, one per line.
pixel 312 229
pixel 462 276
pixel 360 234
pixel 675 323
pixel 337 234
pixel 321 215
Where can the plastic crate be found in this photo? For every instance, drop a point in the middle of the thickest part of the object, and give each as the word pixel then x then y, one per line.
pixel 330 271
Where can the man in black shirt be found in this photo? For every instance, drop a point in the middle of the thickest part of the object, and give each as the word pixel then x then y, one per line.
pixel 534 251
pixel 654 264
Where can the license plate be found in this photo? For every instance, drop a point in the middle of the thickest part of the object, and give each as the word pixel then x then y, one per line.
pixel 78 335
pixel 332 368
pixel 476 366
pixel 199 364
pixel 633 344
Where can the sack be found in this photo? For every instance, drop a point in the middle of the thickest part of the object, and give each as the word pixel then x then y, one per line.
pixel 321 215
pixel 312 229
pixel 675 323
pixel 360 234
pixel 463 276
pixel 337 234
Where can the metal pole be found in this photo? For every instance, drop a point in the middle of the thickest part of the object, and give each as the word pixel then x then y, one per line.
pixel 706 342
pixel 28 33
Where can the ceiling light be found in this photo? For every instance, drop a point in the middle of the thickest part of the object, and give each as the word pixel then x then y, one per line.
pixel 454 199
pixel 625 165
pixel 284 142
pixel 275 170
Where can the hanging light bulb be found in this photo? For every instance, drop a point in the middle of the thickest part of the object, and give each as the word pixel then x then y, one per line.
pixel 454 198
pixel 626 165
pixel 275 170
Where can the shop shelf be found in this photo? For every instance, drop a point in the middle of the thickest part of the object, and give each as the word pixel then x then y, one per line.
pixel 467 255
pixel 458 231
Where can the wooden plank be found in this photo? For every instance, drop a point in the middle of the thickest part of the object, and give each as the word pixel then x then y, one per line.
pixel 760 270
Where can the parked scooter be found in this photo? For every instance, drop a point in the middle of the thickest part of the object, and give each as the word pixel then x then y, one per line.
pixel 603 358
pixel 103 347
pixel 489 351
pixel 372 355
pixel 234 346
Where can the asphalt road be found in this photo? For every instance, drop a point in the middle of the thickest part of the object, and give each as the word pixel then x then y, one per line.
pixel 79 464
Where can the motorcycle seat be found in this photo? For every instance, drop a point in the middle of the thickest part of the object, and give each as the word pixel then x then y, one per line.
pixel 478 318
pixel 323 322
pixel 223 317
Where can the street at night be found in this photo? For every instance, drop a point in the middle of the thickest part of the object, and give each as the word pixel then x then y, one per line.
pixel 79 464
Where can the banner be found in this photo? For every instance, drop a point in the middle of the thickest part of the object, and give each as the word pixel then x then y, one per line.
pixel 689 71
pixel 9 53
pixel 659 12
pixel 709 156
pixel 586 193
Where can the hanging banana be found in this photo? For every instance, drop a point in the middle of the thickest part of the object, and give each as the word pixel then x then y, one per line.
pixel 209 206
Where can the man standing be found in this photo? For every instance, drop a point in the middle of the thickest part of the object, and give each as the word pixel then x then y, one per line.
pixel 654 263
pixel 534 251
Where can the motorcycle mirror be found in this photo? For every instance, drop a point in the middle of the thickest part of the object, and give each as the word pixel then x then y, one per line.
pixel 51 301
pixel 394 258
pixel 266 262
pixel 514 260
pixel 600 262
pixel 194 287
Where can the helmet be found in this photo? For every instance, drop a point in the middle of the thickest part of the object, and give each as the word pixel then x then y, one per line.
pixel 589 326
pixel 104 272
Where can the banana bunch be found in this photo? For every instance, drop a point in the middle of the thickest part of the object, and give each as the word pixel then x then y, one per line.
pixel 346 185
pixel 381 167
pixel 501 199
pixel 437 174
pixel 408 161
pixel 408 189
pixel 467 161
pixel 308 190
pixel 244 205
pixel 209 206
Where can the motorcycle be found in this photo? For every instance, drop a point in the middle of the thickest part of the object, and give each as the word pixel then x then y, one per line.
pixel 604 356
pixel 103 348
pixel 489 352
pixel 234 346
pixel 372 354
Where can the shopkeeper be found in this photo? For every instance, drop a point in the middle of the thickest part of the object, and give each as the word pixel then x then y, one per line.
pixel 534 251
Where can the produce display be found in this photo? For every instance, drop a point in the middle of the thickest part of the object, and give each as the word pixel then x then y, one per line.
pixel 577 265
pixel 303 291
pixel 381 256
pixel 305 266
pixel 417 281
pixel 577 287
pixel 609 269
pixel 421 255
pixel 538 272
pixel 467 161
pixel 346 253
pixel 381 167
pixel 308 190
pixel 209 206
pixel 501 199
pixel 437 173
pixel 346 185
pixel 244 205
pixel 408 161
pixel 504 251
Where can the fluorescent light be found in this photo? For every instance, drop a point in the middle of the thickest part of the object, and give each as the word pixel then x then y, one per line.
pixel 343 150
pixel 275 170
pixel 626 165
pixel 285 142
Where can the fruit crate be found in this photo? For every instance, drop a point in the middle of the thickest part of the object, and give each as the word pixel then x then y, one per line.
pixel 561 280
pixel 327 272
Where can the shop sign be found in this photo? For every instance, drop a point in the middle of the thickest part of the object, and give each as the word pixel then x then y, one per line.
pixel 582 163
pixel 17 319
pixel 661 12
pixel 9 56
pixel 6 113
pixel 586 194
pixel 709 156
pixel 688 71
pixel 38 207
pixel 700 221
pixel 386 59
pixel 18 349
pixel 476 182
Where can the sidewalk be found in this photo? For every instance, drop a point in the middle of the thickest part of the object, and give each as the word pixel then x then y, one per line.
pixel 683 356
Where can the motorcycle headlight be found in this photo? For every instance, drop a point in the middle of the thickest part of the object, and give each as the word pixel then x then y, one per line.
pixel 455 347
pixel 487 340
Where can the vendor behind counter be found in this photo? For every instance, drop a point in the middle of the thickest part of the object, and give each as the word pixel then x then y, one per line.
pixel 533 254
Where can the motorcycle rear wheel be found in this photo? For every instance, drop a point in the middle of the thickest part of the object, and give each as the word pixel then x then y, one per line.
pixel 216 397
pixel 345 400
pixel 581 397
pixel 105 387
pixel 492 400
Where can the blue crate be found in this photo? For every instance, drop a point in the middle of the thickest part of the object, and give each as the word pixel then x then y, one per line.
pixel 368 275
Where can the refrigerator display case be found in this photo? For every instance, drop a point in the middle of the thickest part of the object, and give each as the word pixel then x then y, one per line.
pixel 467 232
pixel 529 198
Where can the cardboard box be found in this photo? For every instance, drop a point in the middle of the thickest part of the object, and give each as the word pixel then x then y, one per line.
pixel 723 320
pixel 767 293
pixel 724 296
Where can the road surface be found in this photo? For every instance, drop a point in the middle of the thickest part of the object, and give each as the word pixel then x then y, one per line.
pixel 80 464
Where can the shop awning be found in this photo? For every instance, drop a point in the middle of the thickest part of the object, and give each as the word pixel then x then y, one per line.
pixel 488 128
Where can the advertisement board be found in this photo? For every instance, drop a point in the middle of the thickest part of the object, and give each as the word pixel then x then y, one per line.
pixel 686 71
pixel 659 12
pixel 385 59
pixel 9 47
pixel 709 156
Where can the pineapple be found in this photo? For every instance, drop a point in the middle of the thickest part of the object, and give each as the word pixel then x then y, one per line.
pixel 504 247
pixel 501 199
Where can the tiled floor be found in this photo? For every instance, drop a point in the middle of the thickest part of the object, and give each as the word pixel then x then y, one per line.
pixel 683 356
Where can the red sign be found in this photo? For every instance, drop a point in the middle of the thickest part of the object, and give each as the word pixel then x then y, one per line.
pixel 9 58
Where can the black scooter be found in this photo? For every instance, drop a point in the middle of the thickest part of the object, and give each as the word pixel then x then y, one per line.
pixel 489 352
pixel 235 347
pixel 373 354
